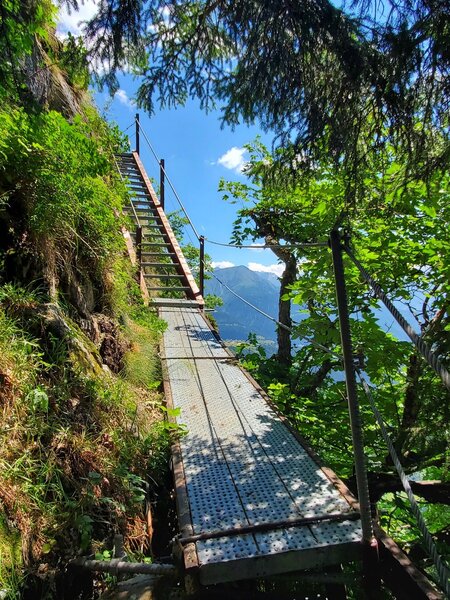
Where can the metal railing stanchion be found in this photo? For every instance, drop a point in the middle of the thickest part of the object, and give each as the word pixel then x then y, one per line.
pixel 369 542
pixel 137 134
pixel 202 265
pixel 162 182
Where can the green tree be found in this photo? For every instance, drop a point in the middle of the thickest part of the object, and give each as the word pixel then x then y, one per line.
pixel 400 233
pixel 352 78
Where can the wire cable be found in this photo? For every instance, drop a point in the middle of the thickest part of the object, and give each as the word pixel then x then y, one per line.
pixel 256 247
pixel 441 567
pixel 270 246
pixel 282 325
pixel 168 180
pixel 129 126
pixel 431 357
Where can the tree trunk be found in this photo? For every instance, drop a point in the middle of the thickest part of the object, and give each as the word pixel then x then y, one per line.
pixel 383 483
pixel 412 402
pixel 266 229
pixel 284 312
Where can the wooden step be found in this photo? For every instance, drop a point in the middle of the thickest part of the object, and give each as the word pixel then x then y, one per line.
pixel 175 303
pixel 168 289
pixel 155 244
pixel 168 254
pixel 152 235
pixel 140 209
pixel 141 188
pixel 143 214
pixel 147 225
pixel 163 276
pixel 142 199
pixel 157 265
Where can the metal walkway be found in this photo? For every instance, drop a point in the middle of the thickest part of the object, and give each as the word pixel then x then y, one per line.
pixel 252 499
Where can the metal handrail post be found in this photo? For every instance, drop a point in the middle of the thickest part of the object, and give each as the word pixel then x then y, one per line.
pixel 352 395
pixel 139 251
pixel 202 265
pixel 137 133
pixel 162 173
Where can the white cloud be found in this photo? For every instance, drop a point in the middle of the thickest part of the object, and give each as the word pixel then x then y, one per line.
pixel 277 269
pixel 71 21
pixel 123 98
pixel 222 264
pixel 233 159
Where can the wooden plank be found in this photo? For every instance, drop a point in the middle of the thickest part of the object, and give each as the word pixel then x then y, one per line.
pixel 182 502
pixel 400 574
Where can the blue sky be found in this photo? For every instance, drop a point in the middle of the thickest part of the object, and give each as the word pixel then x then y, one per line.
pixel 198 153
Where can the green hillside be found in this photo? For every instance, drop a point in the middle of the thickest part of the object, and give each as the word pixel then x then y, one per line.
pixel 81 428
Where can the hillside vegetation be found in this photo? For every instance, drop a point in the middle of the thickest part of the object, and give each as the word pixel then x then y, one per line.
pixel 80 419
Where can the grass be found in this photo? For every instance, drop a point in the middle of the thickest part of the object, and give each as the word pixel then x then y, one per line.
pixel 77 447
pixel 142 366
pixel 10 560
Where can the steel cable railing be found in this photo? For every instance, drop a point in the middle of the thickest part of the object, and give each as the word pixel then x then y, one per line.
pixel 431 357
pixel 441 567
pixel 172 187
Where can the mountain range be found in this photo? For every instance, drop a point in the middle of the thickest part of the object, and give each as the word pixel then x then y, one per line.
pixel 235 318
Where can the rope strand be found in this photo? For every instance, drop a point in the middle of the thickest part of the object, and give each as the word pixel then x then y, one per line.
pixel 169 181
pixel 282 325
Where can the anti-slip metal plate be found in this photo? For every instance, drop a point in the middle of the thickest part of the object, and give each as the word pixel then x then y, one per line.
pixel 242 465
pixel 188 330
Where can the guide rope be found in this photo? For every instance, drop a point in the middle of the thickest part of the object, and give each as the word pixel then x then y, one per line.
pixel 441 567
pixel 431 357
pixel 282 325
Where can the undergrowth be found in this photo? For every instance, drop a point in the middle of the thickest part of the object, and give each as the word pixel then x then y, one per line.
pixel 83 443
pixel 76 449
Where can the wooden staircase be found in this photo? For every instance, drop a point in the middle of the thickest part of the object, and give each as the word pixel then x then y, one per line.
pixel 167 276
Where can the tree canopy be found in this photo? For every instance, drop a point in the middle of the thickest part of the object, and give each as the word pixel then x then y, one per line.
pixel 349 78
